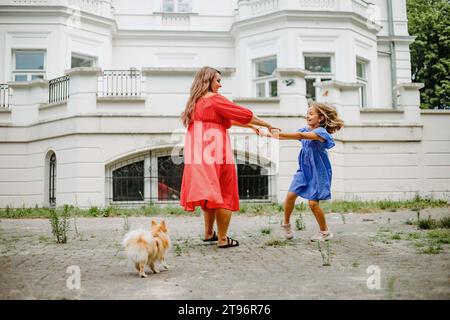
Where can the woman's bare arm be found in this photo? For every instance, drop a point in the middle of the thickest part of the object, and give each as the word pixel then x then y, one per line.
pixel 259 122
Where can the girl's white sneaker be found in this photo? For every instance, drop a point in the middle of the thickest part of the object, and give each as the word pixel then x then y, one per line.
pixel 288 232
pixel 322 236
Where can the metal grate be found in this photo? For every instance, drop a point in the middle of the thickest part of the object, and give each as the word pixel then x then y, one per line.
pixel 58 89
pixel 52 181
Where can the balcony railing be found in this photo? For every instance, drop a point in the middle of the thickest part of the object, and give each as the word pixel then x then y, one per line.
pixel 5 96
pixel 58 89
pixel 252 8
pixel 120 83
pixel 99 7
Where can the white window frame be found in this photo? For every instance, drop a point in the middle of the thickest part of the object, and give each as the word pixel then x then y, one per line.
pixel 175 7
pixel 362 80
pixel 83 56
pixel 320 76
pixel 266 80
pixel 28 72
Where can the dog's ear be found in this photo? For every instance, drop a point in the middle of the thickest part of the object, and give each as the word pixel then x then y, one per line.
pixel 153 222
pixel 163 226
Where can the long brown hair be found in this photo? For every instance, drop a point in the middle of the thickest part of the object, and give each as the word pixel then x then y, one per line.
pixel 200 86
pixel 331 121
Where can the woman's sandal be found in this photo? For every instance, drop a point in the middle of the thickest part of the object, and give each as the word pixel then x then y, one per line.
pixel 230 243
pixel 214 238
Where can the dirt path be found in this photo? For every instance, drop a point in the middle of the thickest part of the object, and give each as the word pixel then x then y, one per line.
pixel 264 266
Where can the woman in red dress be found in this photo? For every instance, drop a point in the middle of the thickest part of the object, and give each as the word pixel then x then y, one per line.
pixel 209 177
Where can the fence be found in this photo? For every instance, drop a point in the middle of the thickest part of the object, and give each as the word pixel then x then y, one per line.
pixel 58 89
pixel 120 83
pixel 5 96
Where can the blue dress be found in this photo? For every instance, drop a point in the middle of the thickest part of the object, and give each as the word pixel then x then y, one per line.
pixel 312 180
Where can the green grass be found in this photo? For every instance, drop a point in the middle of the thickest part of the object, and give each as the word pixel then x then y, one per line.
pixel 266 231
pixel 396 236
pixel 342 207
pixel 429 223
pixel 94 212
pixel 276 243
pixel 430 241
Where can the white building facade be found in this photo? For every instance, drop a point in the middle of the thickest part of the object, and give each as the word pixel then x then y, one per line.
pixel 91 92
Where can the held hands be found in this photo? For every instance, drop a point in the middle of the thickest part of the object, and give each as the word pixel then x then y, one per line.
pixel 257 130
pixel 271 133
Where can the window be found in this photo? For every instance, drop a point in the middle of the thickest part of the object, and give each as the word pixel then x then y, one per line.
pixel 52 181
pixel 169 179
pixel 321 69
pixel 28 65
pixel 266 83
pixel 361 76
pixel 253 181
pixel 128 182
pixel 176 6
pixel 82 61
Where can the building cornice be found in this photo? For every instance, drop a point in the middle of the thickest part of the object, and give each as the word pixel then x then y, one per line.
pixel 28 84
pixel 291 72
pixel 56 10
pixel 182 71
pixel 339 85
pixel 387 39
pixel 173 35
pixel 301 15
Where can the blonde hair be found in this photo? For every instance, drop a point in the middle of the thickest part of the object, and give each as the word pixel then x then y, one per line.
pixel 331 121
pixel 200 86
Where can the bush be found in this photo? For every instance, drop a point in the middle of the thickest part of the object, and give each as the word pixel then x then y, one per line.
pixel 59 221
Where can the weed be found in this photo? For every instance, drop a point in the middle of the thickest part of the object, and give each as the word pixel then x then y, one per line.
pixel 300 223
pixel 444 222
pixel 413 236
pixel 276 242
pixel 396 237
pixel 177 249
pixel 94 211
pixel 432 248
pixel 390 288
pixel 181 245
pixel 325 254
pixel 427 224
pixel 440 236
pixel 60 224
pixel 126 224
pixel 266 230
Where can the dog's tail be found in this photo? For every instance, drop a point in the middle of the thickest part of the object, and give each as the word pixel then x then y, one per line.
pixel 137 244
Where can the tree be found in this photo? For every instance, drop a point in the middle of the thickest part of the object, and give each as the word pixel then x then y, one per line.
pixel 429 21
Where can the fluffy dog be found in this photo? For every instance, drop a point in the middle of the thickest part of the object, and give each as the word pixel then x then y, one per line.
pixel 148 246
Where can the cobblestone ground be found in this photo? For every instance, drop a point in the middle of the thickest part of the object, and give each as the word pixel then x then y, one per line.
pixel 264 266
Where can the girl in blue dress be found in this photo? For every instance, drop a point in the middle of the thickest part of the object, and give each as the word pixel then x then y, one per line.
pixel 312 181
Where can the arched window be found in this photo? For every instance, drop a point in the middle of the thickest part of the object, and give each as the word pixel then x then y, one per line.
pixel 128 182
pixel 52 181
pixel 253 181
pixel 169 179
pixel 156 176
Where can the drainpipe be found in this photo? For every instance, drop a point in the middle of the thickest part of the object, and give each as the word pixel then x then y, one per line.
pixel 393 55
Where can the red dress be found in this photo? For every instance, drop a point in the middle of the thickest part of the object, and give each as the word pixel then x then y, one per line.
pixel 209 177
